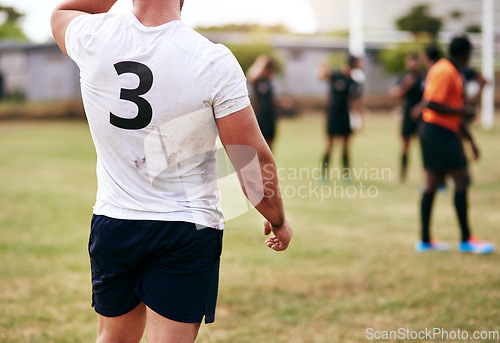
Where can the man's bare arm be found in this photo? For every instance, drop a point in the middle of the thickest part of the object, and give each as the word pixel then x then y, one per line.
pixel 443 109
pixel 68 10
pixel 240 133
pixel 257 69
pixel 323 72
pixel 402 89
pixel 465 132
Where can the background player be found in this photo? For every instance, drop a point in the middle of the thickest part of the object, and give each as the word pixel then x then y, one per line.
pixel 442 149
pixel 430 55
pixel 156 94
pixel 410 88
pixel 344 96
pixel 260 75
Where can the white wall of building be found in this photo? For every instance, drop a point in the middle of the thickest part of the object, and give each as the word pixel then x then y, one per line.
pixel 14 70
pixel 40 72
pixel 52 76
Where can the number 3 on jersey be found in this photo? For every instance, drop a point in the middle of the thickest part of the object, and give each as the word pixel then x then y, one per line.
pixel 145 111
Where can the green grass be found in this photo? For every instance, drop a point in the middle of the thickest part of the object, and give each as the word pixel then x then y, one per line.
pixel 351 265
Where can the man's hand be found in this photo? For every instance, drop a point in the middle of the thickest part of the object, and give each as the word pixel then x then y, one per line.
pixel 282 235
pixel 241 129
pixel 416 111
pixel 408 81
pixel 475 151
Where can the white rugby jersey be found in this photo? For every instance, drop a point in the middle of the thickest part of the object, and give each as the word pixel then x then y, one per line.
pixel 151 96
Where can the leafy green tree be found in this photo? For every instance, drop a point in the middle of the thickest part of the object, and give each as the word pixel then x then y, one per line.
pixel 456 14
pixel 425 29
pixel 473 28
pixel 10 28
pixel 246 54
pixel 247 28
pixel 419 20
pixel 470 28
pixel 393 58
pixel 255 43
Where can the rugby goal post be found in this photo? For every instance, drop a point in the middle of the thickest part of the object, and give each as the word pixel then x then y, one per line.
pixel 488 65
pixel 356 39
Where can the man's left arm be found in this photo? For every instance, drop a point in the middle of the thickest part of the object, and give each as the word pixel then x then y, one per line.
pixel 68 10
pixel 403 87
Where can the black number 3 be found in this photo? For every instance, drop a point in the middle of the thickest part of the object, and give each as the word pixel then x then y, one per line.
pixel 145 112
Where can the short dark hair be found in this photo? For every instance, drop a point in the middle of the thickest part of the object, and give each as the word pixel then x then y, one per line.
pixel 352 60
pixel 433 52
pixel 460 46
pixel 270 65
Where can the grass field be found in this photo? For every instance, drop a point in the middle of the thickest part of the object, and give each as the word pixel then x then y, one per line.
pixel 350 267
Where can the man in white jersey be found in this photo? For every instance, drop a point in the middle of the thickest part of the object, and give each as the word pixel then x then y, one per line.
pixel 156 94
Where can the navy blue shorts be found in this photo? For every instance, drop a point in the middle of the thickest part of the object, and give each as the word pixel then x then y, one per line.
pixel 172 267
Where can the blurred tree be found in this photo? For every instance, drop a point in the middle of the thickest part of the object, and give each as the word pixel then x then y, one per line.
pixel 246 54
pixel 473 28
pixel 337 59
pixel 456 14
pixel 419 20
pixel 255 43
pixel 247 28
pixel 393 58
pixel 470 28
pixel 338 33
pixel 11 28
pixel 425 29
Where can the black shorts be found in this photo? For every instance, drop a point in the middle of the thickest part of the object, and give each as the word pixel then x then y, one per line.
pixel 441 148
pixel 267 125
pixel 408 126
pixel 338 124
pixel 172 267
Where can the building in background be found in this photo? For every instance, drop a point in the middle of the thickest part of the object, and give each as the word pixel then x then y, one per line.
pixel 42 73
pixel 38 72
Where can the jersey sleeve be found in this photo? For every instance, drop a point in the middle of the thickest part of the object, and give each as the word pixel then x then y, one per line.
pixel 437 86
pixel 75 37
pixel 80 35
pixel 229 87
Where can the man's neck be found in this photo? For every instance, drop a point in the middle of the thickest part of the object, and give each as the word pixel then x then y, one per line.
pixel 153 13
pixel 459 63
pixel 347 71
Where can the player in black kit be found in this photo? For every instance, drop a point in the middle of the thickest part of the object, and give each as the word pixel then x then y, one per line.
pixel 410 88
pixel 260 76
pixel 344 96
